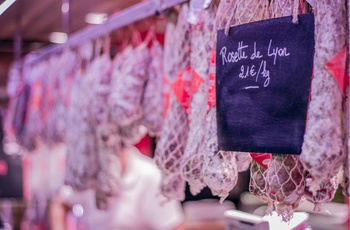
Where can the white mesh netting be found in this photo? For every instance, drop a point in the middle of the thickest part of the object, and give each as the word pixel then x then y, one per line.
pixel 249 11
pixel 171 145
pixel 219 174
pixel 219 168
pixel 280 8
pixel 170 149
pixel 182 43
pixel 192 163
pixel 285 179
pixel 257 184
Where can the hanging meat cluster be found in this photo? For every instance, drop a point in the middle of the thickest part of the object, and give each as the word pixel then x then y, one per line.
pixel 104 131
pixel 286 179
pixel 79 98
pixel 170 90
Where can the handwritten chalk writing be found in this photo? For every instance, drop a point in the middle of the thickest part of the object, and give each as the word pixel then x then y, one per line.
pixel 256 58
pixel 252 87
pixel 233 56
pixel 246 72
pixel 281 52
pixel 256 54
pixel 257 76
pixel 249 71
pixel 266 74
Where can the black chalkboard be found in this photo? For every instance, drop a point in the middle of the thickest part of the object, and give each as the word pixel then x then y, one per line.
pixel 263 77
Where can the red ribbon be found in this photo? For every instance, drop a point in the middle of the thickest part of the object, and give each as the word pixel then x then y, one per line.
pixel 262 158
pixel 185 86
pixel 336 67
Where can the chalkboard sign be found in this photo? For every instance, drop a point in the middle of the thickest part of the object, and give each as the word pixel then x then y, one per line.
pixel 263 82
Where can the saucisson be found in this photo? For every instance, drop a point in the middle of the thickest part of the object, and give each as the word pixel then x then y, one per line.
pixel 171 145
pixel 322 153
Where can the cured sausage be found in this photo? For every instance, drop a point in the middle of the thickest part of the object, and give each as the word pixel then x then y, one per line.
pixel 171 145
pixel 322 154
pixel 285 178
pixel 200 57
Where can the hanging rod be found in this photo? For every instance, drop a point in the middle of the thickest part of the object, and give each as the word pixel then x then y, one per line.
pixel 128 16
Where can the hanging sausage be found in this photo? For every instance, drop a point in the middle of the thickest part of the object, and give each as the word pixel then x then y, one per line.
pixel 81 160
pixel 152 100
pixel 171 145
pixel 126 97
pixel 258 184
pixel 285 179
pixel 219 168
pixel 324 194
pixel 200 55
pixel 108 143
pixel 323 139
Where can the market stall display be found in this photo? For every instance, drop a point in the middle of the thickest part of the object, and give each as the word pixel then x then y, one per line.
pixel 171 91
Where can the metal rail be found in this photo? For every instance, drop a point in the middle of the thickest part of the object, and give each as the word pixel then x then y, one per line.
pixel 132 14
